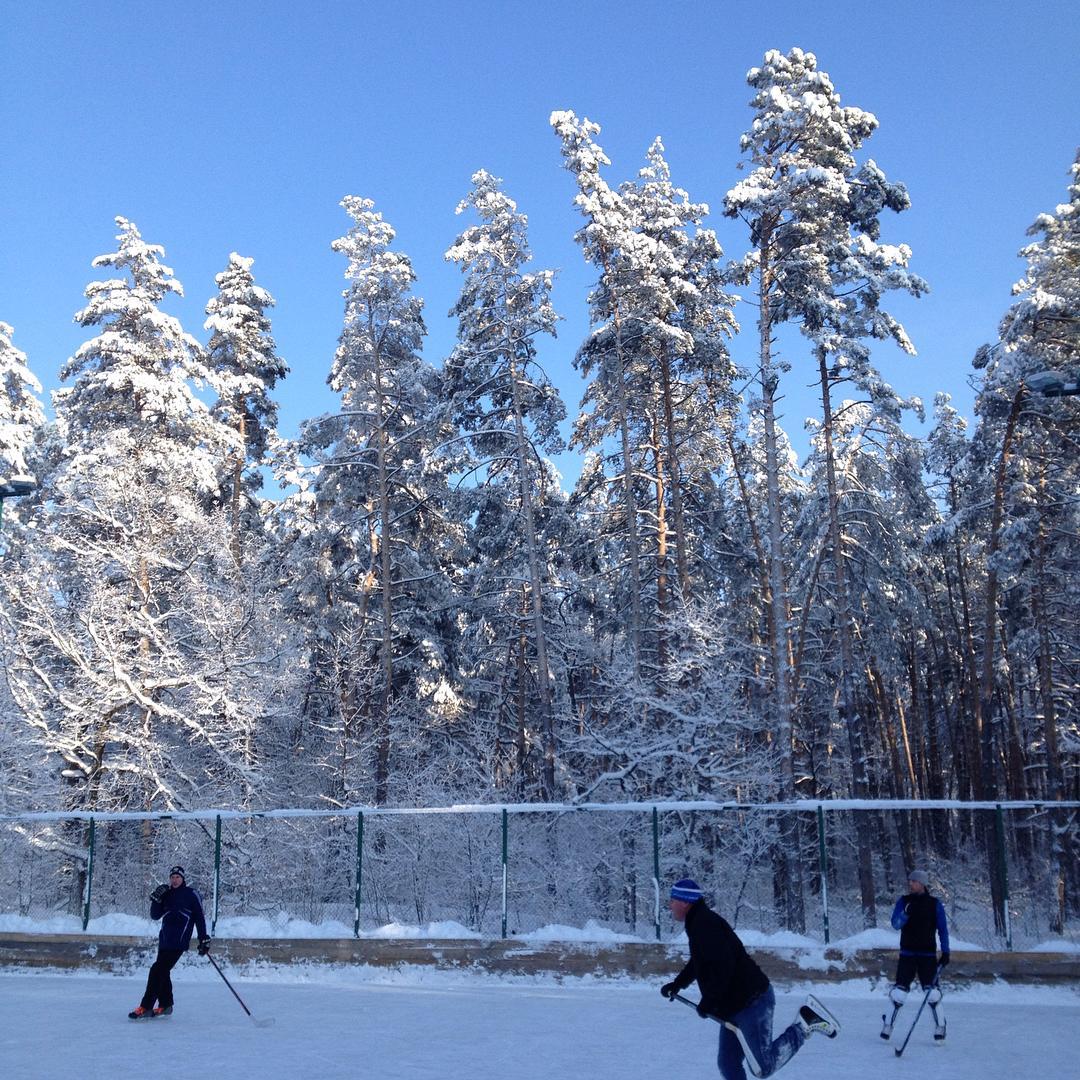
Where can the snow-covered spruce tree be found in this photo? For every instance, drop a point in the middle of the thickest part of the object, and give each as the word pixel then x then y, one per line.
pixel 368 561
pixel 815 260
pixel 502 398
pixel 244 367
pixel 139 673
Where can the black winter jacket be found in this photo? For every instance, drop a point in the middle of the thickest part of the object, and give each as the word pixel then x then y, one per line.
pixel 180 911
pixel 726 975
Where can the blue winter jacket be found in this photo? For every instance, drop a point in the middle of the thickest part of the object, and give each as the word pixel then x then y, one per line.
pixel 180 911
pixel 918 916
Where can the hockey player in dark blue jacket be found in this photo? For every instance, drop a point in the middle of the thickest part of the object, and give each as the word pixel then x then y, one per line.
pixel 919 917
pixel 179 908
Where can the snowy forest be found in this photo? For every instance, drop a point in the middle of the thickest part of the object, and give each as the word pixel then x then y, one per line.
pixel 401 606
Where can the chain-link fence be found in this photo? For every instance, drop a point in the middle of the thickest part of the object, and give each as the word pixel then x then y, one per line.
pixel 1007 873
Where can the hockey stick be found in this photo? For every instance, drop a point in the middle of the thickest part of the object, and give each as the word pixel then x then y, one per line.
pixel 258 1023
pixel 751 1061
pixel 926 998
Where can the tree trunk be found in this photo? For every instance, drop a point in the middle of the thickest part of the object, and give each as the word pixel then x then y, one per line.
pixel 985 701
pixel 382 737
pixel 788 860
pixel 674 477
pixel 543 676
pixel 850 718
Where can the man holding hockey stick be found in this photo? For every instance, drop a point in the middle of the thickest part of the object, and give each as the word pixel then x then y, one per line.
pixel 919 917
pixel 180 910
pixel 735 991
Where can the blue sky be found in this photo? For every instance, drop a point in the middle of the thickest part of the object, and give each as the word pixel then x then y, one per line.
pixel 223 127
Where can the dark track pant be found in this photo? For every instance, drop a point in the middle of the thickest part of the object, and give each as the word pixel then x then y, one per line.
pixel 755 1023
pixel 158 982
pixel 909 966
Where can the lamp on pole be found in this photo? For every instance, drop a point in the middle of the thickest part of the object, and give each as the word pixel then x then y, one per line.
pixel 13 488
pixel 1051 384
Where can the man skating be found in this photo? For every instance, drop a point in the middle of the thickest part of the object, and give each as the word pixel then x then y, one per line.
pixel 179 908
pixel 919 917
pixel 735 990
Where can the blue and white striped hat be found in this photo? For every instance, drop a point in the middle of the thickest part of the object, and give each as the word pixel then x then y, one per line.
pixel 685 889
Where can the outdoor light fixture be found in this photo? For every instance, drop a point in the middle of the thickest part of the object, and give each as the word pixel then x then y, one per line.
pixel 17 485
pixel 1051 384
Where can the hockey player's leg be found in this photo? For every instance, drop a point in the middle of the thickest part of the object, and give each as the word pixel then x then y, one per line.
pixel 897 997
pixel 764 1054
pixel 934 1001
pixel 729 1058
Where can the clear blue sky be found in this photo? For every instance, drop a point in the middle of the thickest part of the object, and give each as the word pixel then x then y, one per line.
pixel 229 126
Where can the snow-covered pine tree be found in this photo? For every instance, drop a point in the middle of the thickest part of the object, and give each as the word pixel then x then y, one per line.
pixel 659 390
pixel 815 259
pixel 684 317
pixel 21 413
pixel 609 241
pixel 503 399
pixel 139 673
pixel 1024 447
pixel 21 421
pixel 369 559
pixel 244 367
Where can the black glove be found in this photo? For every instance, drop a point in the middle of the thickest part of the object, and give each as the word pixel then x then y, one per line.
pixel 159 893
pixel 705 1009
pixel 204 946
pixel 944 961
pixel 669 990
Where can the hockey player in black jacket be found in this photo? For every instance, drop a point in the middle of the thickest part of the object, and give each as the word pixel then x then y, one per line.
pixel 919 917
pixel 736 991
pixel 179 908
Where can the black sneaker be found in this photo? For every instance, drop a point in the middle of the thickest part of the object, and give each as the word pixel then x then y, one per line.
pixel 166 1011
pixel 139 1013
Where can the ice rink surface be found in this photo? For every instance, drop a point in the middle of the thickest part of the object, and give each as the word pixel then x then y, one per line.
pixel 422 1025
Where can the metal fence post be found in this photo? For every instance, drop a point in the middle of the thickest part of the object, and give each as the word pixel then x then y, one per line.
pixel 89 869
pixel 359 861
pixel 1003 871
pixel 656 869
pixel 823 864
pixel 504 830
pixel 217 872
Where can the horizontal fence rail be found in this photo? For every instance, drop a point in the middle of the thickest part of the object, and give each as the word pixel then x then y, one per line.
pixel 1006 871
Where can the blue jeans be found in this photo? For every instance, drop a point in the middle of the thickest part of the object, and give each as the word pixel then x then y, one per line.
pixel 755 1024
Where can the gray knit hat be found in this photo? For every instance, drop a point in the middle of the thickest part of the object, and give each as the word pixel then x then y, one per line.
pixel 921 876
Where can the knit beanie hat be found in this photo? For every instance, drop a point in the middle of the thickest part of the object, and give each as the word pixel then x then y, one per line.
pixel 921 876
pixel 178 870
pixel 685 889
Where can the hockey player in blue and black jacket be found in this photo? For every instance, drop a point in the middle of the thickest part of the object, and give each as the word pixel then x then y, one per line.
pixel 919 917
pixel 179 908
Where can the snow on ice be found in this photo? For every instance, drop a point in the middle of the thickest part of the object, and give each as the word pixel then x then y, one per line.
pixel 333 1023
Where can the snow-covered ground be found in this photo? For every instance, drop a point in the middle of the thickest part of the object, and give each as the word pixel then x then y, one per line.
pixel 288 926
pixel 331 1023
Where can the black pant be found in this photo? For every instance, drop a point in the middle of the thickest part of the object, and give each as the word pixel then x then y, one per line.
pixel 158 982
pixel 909 966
